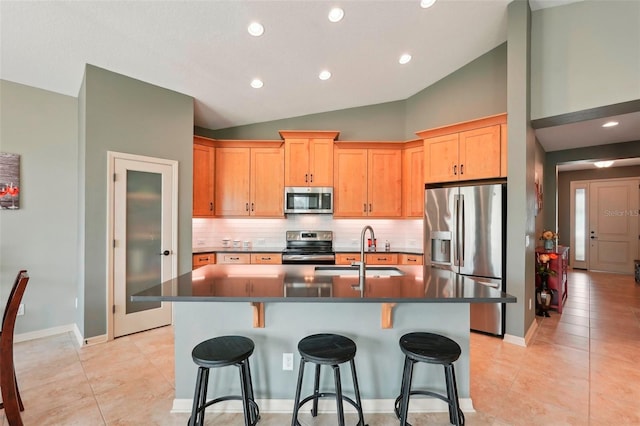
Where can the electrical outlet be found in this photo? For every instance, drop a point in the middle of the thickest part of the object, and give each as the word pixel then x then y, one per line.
pixel 200 242
pixel 261 242
pixel 413 243
pixel 287 361
pixel 354 242
pixel 21 309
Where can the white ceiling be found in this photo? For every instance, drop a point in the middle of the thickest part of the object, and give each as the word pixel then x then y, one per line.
pixel 202 49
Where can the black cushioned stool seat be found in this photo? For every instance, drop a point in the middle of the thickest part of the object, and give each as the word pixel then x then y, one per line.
pixel 433 349
pixel 333 350
pixel 222 352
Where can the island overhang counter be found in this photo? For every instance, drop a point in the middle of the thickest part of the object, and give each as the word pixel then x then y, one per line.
pixel 277 305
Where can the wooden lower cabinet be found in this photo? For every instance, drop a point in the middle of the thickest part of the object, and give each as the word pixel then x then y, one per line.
pixel 381 258
pixel 266 258
pixel 347 258
pixel 203 259
pixel 231 258
pixel 411 259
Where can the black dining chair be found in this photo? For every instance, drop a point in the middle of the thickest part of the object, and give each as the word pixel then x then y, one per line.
pixel 11 401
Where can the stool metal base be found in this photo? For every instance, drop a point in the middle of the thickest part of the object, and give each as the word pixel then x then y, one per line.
pixel 221 352
pixel 333 360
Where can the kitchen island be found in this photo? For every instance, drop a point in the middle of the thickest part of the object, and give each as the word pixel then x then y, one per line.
pixel 277 305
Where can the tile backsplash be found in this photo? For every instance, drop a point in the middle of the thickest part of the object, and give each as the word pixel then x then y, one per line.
pixel 404 233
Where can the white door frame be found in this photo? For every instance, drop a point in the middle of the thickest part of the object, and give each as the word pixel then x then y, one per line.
pixel 111 159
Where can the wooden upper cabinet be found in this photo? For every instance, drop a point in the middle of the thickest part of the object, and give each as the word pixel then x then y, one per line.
pixel 350 182
pixel 249 181
pixel 308 157
pixel 203 180
pixel 466 151
pixel 384 183
pixel 233 166
pixel 267 182
pixel 479 153
pixel 413 181
pixel 367 182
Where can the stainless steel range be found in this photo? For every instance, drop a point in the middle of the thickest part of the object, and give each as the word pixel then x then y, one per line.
pixel 309 247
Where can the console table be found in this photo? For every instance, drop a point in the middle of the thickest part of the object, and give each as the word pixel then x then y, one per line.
pixel 557 282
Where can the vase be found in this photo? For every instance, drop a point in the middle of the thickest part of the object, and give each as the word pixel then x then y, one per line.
pixel 544 295
pixel 548 244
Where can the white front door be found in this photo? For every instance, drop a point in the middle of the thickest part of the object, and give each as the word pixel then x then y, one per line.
pixel 144 238
pixel 613 225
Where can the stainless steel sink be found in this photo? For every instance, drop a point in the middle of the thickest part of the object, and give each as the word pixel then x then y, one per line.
pixel 371 271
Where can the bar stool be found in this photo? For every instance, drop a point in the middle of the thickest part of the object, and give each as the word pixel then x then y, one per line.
pixel 333 350
pixel 432 349
pixel 222 352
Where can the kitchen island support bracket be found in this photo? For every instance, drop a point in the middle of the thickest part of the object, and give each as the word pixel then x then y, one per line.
pixel 258 314
pixel 387 315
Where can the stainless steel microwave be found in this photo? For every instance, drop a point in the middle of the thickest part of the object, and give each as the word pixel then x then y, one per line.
pixel 308 199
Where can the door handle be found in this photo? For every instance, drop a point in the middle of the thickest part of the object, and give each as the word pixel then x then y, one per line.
pixel 165 253
pixel 306 177
pixel 311 179
pixel 461 169
pixel 455 170
pixel 593 237
pixel 211 207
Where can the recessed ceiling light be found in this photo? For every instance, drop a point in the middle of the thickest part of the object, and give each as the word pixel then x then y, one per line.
pixel 601 164
pixel 405 58
pixel 324 75
pixel 336 14
pixel 255 29
pixel 610 124
pixel 256 83
pixel 426 3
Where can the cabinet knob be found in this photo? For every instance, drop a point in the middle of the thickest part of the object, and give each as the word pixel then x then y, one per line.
pixel 165 253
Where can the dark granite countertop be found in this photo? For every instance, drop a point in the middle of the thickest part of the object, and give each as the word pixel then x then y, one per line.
pixel 302 283
pixel 199 250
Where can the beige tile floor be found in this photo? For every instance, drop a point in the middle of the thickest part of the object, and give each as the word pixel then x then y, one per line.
pixel 582 368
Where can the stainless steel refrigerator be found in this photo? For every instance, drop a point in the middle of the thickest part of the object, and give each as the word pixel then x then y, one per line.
pixel 465 232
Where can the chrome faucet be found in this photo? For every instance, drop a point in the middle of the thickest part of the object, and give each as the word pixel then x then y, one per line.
pixel 362 265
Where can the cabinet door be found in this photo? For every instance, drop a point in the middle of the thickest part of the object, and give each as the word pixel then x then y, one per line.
pixel 384 183
pixel 410 259
pixel 479 153
pixel 320 162
pixel 441 158
pixel 381 259
pixel 240 258
pixel 347 258
pixel 296 162
pixel 232 181
pixel 203 166
pixel 413 182
pixel 350 182
pixel 268 258
pixel 267 182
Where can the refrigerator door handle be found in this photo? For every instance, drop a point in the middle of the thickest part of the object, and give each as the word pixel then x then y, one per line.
pixel 455 240
pixel 461 229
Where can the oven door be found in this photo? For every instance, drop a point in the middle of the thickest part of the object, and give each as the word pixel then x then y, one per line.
pixel 308 259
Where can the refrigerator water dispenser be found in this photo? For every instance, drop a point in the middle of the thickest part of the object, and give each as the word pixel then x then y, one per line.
pixel 441 247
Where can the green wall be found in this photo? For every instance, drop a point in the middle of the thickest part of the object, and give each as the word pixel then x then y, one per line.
pixel 125 115
pixel 584 55
pixel 41 236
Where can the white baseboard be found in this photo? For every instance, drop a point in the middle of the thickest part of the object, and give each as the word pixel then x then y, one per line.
pixel 522 341
pixel 418 405
pixel 47 332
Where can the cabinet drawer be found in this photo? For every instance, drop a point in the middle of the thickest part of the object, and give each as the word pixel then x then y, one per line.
pixel 381 258
pixel 234 258
pixel 273 258
pixel 347 258
pixel 203 259
pixel 411 259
